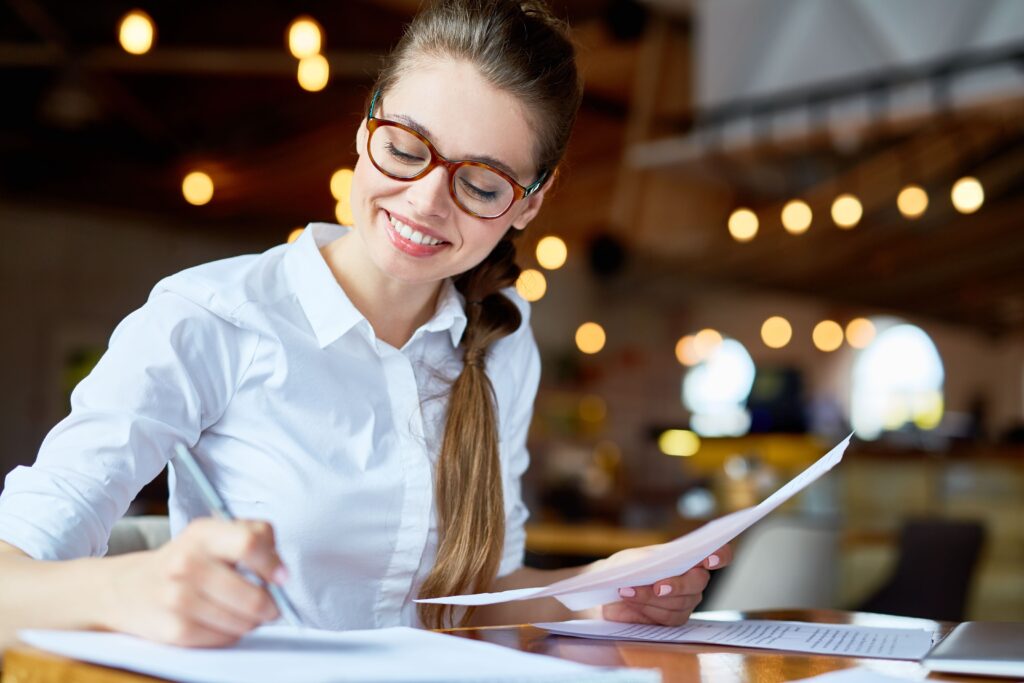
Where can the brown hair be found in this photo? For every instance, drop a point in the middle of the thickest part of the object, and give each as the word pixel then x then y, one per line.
pixel 519 47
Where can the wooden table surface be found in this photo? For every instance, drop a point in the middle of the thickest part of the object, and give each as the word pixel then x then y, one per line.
pixel 678 663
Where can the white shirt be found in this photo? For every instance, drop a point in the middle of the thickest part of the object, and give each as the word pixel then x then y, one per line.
pixel 298 414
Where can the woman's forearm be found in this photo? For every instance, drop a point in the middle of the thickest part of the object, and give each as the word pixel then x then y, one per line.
pixel 38 594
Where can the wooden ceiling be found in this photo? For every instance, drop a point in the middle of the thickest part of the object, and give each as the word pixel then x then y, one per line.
pixel 86 125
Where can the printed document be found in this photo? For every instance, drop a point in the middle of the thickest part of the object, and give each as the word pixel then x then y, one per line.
pixel 273 654
pixel 601 586
pixel 791 636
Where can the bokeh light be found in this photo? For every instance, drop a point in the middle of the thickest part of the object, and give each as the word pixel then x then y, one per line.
pixel 341 183
pixel 313 73
pixel 776 332
pixel 531 284
pixel 706 342
pixel 136 32
pixel 295 234
pixel 590 337
pixel 743 225
pixel 304 37
pixel 686 351
pixel 343 212
pixel 847 211
pixel 678 442
pixel 197 188
pixel 552 252
pixel 968 195
pixel 860 332
pixel 827 335
pixel 796 217
pixel 912 201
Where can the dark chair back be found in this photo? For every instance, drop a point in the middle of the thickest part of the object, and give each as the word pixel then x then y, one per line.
pixel 933 574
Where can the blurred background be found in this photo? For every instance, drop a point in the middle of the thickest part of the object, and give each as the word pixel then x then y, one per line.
pixel 779 221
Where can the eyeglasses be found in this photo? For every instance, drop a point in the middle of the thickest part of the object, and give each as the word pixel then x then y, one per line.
pixel 479 189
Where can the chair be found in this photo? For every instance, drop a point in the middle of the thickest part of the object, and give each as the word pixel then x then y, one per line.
pixel 781 562
pixel 933 572
pixel 133 534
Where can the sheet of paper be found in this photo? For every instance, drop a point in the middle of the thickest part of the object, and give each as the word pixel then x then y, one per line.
pixel 668 559
pixel 284 653
pixel 791 636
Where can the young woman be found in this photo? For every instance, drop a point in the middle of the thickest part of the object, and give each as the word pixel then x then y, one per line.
pixel 365 392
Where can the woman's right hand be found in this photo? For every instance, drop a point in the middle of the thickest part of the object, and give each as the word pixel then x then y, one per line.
pixel 189 592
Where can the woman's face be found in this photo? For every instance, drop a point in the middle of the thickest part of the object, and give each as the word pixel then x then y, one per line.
pixel 464 117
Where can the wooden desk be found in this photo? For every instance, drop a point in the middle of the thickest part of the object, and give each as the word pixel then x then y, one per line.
pixel 678 663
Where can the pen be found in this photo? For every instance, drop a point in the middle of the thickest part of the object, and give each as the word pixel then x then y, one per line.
pixel 219 509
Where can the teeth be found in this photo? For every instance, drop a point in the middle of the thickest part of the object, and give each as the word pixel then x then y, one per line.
pixel 412 235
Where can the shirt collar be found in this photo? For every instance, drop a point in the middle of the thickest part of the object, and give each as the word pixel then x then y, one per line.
pixel 328 309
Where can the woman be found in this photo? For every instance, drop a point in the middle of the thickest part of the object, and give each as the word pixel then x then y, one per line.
pixel 365 392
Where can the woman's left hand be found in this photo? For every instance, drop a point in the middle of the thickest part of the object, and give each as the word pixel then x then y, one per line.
pixel 668 602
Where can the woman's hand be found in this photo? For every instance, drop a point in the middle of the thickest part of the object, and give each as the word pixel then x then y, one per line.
pixel 189 592
pixel 668 602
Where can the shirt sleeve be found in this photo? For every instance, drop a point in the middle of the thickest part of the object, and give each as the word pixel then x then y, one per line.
pixel 169 371
pixel 523 372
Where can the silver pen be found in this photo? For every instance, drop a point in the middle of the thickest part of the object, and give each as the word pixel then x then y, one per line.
pixel 219 509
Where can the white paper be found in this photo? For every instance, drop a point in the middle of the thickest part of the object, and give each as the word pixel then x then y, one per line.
pixel 284 653
pixel 791 636
pixel 601 586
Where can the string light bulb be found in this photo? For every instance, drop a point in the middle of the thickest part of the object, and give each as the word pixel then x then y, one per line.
pixel 860 332
pixel 552 252
pixel 295 234
pixel 686 351
pixel 590 338
pixel 743 225
pixel 531 284
pixel 197 188
pixel 847 211
pixel 796 217
pixel 136 32
pixel 827 335
pixel 967 194
pixel 912 201
pixel 304 37
pixel 313 73
pixel 776 332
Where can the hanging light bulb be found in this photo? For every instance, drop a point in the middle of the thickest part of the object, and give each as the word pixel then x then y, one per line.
pixel 304 37
pixel 743 225
pixel 968 195
pixel 135 32
pixel 847 211
pixel 912 201
pixel 314 73
pixel 796 217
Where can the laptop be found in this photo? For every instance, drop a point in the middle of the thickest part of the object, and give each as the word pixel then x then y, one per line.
pixel 989 648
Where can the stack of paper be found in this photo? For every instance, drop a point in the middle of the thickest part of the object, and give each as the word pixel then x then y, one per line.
pixel 601 586
pixel 791 636
pixel 284 653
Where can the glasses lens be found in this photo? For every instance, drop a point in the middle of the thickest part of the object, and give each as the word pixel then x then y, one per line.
pixel 482 191
pixel 398 152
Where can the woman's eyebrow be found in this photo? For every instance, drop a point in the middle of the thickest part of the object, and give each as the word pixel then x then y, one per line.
pixel 484 159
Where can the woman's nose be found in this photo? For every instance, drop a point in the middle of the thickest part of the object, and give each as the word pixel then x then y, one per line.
pixel 429 195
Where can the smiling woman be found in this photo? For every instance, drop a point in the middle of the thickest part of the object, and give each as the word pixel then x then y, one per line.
pixel 364 394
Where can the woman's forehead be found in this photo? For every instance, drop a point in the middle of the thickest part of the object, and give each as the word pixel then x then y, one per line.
pixel 464 116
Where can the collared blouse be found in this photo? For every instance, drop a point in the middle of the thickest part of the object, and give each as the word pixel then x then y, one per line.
pixel 298 414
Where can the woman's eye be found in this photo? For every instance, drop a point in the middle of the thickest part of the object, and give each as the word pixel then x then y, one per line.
pixel 402 155
pixel 477 193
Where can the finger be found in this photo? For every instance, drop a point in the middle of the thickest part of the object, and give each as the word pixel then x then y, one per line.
pixel 227 588
pixel 248 542
pixel 624 612
pixel 190 607
pixel 720 558
pixel 669 617
pixel 691 582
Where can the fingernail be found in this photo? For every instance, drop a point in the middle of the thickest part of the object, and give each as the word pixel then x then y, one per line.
pixel 713 561
pixel 664 590
pixel 627 592
pixel 280 575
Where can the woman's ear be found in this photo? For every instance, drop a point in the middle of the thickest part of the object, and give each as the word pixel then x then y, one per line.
pixel 361 134
pixel 533 203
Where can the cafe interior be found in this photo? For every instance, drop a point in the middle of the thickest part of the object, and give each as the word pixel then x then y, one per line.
pixel 779 222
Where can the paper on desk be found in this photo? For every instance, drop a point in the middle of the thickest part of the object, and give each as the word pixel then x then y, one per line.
pixel 601 586
pixel 285 653
pixel 857 674
pixel 792 636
